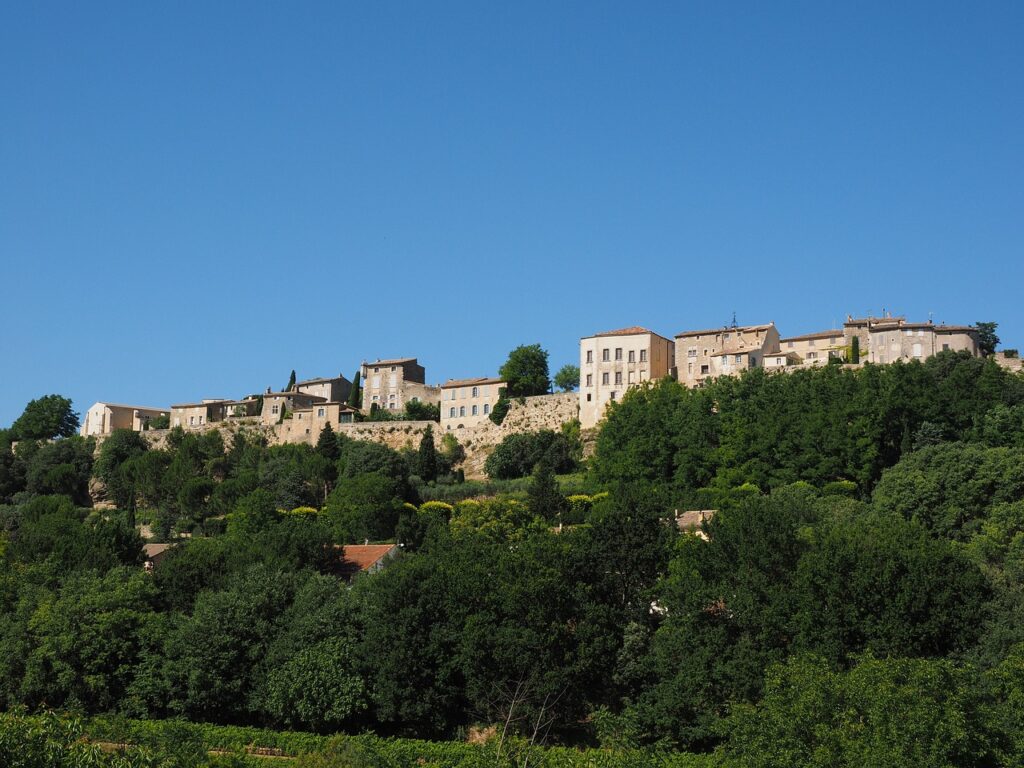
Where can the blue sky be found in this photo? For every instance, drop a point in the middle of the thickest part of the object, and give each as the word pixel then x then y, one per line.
pixel 196 198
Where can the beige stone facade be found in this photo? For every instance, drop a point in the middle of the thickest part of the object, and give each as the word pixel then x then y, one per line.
pixel 468 402
pixel 893 340
pixel 815 349
pixel 333 390
pixel 390 384
pixel 277 404
pixel 198 415
pixel 306 423
pixel 613 362
pixel 104 418
pixel 728 351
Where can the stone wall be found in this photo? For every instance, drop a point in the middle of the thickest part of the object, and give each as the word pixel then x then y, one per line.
pixel 531 415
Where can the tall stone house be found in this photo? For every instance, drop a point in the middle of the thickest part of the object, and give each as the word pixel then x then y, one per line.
pixel 614 361
pixel 390 384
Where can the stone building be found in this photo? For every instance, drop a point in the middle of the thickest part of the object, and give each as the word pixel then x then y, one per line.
pixel 816 348
pixel 727 351
pixel 614 361
pixel 104 418
pixel 468 402
pixel 894 339
pixel 390 384
pixel 196 415
pixel 333 390
pixel 275 404
pixel 306 423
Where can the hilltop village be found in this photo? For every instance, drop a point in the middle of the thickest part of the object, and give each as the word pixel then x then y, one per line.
pixel 610 363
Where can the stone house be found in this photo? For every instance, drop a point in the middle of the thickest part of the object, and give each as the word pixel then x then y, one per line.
pixel 309 421
pixel 197 415
pixel 277 403
pixel 104 418
pixel 334 389
pixel 468 402
pixel 390 384
pixel 893 340
pixel 727 351
pixel 818 348
pixel 613 362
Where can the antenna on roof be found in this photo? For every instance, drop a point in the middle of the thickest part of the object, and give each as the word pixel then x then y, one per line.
pixel 734 318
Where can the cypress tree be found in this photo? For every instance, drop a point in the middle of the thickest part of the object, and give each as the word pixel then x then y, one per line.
pixel 327 444
pixel 427 459
pixel 855 350
pixel 355 395
pixel 291 382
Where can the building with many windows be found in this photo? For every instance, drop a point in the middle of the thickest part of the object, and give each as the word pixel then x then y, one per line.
pixel 104 418
pixel 390 384
pixel 728 351
pixel 468 402
pixel 614 361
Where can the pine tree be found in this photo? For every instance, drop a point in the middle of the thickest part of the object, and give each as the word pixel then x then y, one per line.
pixel 355 396
pixel 543 497
pixel 427 459
pixel 327 443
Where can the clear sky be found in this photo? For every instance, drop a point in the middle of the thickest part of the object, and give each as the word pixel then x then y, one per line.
pixel 196 198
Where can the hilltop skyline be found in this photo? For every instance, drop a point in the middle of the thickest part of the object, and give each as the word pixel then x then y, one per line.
pixel 199 199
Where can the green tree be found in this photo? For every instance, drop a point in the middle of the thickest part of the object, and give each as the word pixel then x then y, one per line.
pixel 543 497
pixel 500 410
pixel 355 395
pixel 987 338
pixel 46 418
pixel 291 382
pixel 568 378
pixel 418 410
pixel 855 350
pixel 427 461
pixel 120 446
pixel 327 444
pixel 526 371
pixel 892 712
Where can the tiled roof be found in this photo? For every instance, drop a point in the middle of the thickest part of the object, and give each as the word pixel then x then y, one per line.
pixel 361 557
pixel 815 335
pixel 132 407
pixel 469 382
pixel 322 380
pixel 200 405
pixel 727 329
pixel 395 361
pixel 155 550
pixel 631 331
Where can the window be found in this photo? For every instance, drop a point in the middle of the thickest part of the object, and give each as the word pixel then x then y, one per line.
pixel 476 392
pixel 414 399
pixel 705 353
pixel 618 377
pixel 376 382
pixel 299 415
pixel 618 353
pixel 462 410
pixel 474 410
pixel 393 380
pixel 643 355
pixel 703 369
pixel 320 412
pixel 945 347
pixel 451 412
pixel 375 398
pixel 392 367
pixel 590 355
pixel 691 352
pixel 909 332
pixel 790 344
pixel 376 370
pixel 487 408
pixel 588 398
pixel 812 355
pixel 629 377
pixel 917 349
pixel 391 406
pixel 739 358
pixel 192 419
pixel 613 394
pixel 604 378
pixel 604 355
pixel 391 396
pixel 590 379
pixel 689 367
pixel 632 356
pixel 273 408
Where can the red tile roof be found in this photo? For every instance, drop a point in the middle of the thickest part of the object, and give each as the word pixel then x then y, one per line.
pixel 469 382
pixel 362 557
pixel 634 330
